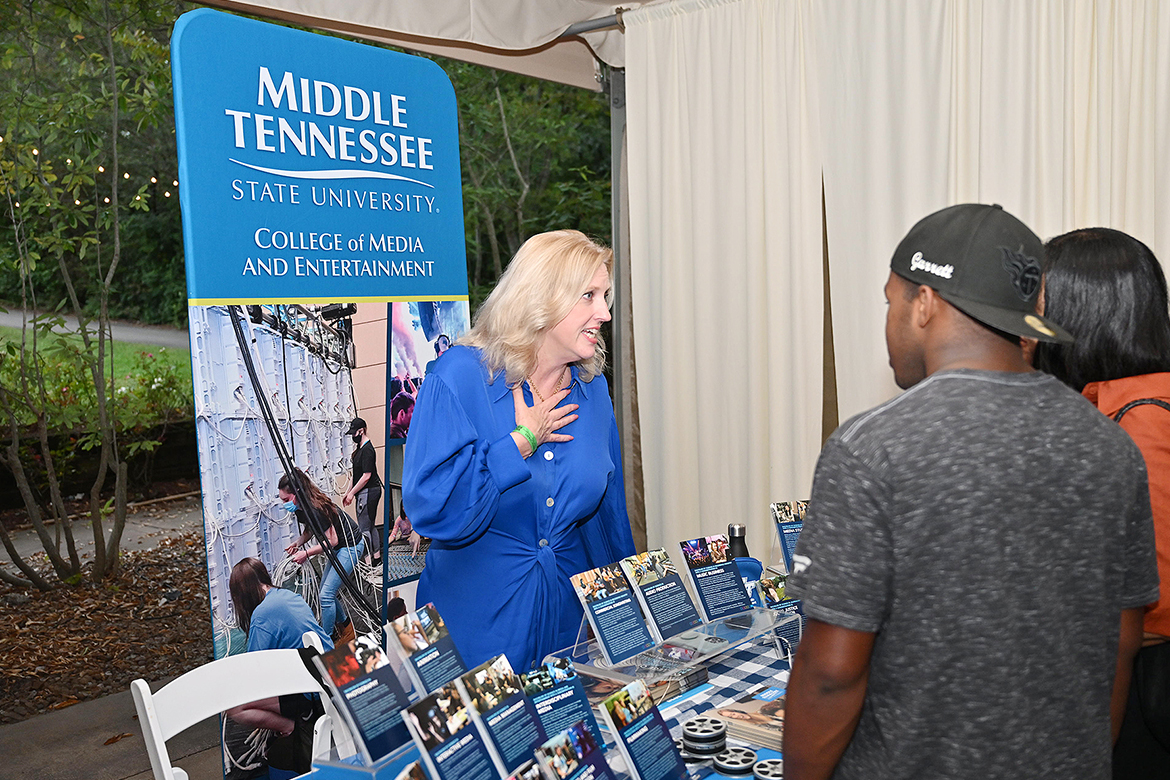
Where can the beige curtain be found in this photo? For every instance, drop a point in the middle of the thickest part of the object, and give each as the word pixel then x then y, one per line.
pixel 726 259
pixel 1059 111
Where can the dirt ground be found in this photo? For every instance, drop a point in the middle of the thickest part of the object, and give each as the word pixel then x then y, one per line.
pixel 72 644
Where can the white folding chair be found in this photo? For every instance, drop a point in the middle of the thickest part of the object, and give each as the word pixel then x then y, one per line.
pixel 330 726
pixel 213 688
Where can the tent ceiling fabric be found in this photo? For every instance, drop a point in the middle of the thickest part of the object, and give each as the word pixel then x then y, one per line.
pixel 516 35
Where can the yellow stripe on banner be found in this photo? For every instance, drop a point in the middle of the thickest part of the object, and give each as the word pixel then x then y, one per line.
pixel 334 299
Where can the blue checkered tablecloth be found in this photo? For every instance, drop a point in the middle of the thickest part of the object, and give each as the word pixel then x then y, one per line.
pixel 729 677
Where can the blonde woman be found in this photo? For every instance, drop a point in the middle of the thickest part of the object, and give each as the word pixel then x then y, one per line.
pixel 513 468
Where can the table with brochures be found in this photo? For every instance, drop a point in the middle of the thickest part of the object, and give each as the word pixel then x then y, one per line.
pixel 729 676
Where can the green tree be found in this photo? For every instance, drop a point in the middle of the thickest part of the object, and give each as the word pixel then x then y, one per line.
pixel 81 81
pixel 535 157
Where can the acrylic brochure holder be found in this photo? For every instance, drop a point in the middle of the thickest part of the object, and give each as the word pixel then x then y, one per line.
pixel 699 646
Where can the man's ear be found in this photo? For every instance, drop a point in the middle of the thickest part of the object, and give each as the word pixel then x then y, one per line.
pixel 927 306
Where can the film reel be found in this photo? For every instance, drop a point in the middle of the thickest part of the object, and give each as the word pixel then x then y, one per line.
pixel 769 769
pixel 735 761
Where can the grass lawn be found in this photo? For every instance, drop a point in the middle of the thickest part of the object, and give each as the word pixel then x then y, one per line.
pixel 126 353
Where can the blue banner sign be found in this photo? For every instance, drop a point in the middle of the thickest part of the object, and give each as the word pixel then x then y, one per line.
pixel 313 169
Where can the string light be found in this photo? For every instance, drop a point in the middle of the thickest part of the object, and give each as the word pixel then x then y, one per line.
pixel 18 204
pixel 174 184
pixel 68 160
pixel 153 180
pixel 125 176
pixel 36 152
pixel 167 193
pixel 76 203
pixel 101 169
pixel 137 197
pixel 107 200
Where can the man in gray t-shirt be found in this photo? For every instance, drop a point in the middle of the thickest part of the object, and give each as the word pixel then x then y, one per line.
pixel 977 551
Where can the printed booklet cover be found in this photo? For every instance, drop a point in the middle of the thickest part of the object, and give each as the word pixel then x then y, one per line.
pixel 715 577
pixel 789 519
pixel 559 696
pixel 642 735
pixel 369 689
pixel 573 755
pixel 756 717
pixel 661 592
pixel 432 660
pixel 613 612
pixel 449 744
pixel 502 712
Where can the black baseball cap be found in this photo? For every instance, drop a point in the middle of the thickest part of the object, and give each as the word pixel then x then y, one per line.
pixel 985 263
pixel 355 426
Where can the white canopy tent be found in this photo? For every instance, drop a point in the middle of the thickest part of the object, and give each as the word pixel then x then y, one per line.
pixel 777 150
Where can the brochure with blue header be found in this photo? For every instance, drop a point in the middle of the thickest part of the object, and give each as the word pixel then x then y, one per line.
pixel 641 734
pixel 559 696
pixel 573 755
pixel 370 691
pixel 432 660
pixel 661 592
pixel 613 612
pixel 715 576
pixel 449 743
pixel 495 698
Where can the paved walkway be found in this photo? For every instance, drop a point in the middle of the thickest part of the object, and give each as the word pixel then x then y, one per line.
pixel 158 335
pixel 70 744
pixel 145 525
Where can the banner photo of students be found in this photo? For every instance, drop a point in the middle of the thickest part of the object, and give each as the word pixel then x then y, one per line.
pixel 320 186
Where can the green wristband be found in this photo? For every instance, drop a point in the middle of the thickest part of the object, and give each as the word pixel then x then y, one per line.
pixel 527 434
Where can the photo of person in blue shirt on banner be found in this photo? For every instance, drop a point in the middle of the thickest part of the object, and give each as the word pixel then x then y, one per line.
pixel 513 467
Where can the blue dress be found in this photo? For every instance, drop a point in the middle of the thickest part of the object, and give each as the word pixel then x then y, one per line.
pixel 507 533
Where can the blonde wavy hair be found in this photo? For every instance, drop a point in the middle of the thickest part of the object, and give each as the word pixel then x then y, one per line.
pixel 539 288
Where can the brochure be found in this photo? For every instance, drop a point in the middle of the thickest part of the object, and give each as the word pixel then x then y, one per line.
pixel 661 592
pixel 641 734
pixel 573 755
pixel 369 689
pixel 613 612
pixel 772 591
pixel 789 519
pixel 558 695
pixel 432 660
pixel 502 713
pixel 756 717
pixel 715 577
pixel 450 746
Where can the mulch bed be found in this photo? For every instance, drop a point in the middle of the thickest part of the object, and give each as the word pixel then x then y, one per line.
pixel 72 644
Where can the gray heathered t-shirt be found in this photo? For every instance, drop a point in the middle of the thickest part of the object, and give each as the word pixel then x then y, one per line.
pixel 990 528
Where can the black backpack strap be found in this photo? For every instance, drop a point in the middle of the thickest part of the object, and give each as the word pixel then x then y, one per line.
pixel 1139 402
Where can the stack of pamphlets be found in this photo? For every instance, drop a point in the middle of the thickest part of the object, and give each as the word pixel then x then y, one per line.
pixel 756 717
pixel 601 685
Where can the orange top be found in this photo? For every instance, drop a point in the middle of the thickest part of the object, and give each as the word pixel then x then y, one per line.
pixel 1149 426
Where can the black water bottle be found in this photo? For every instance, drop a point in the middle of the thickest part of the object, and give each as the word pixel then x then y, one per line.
pixel 737 541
